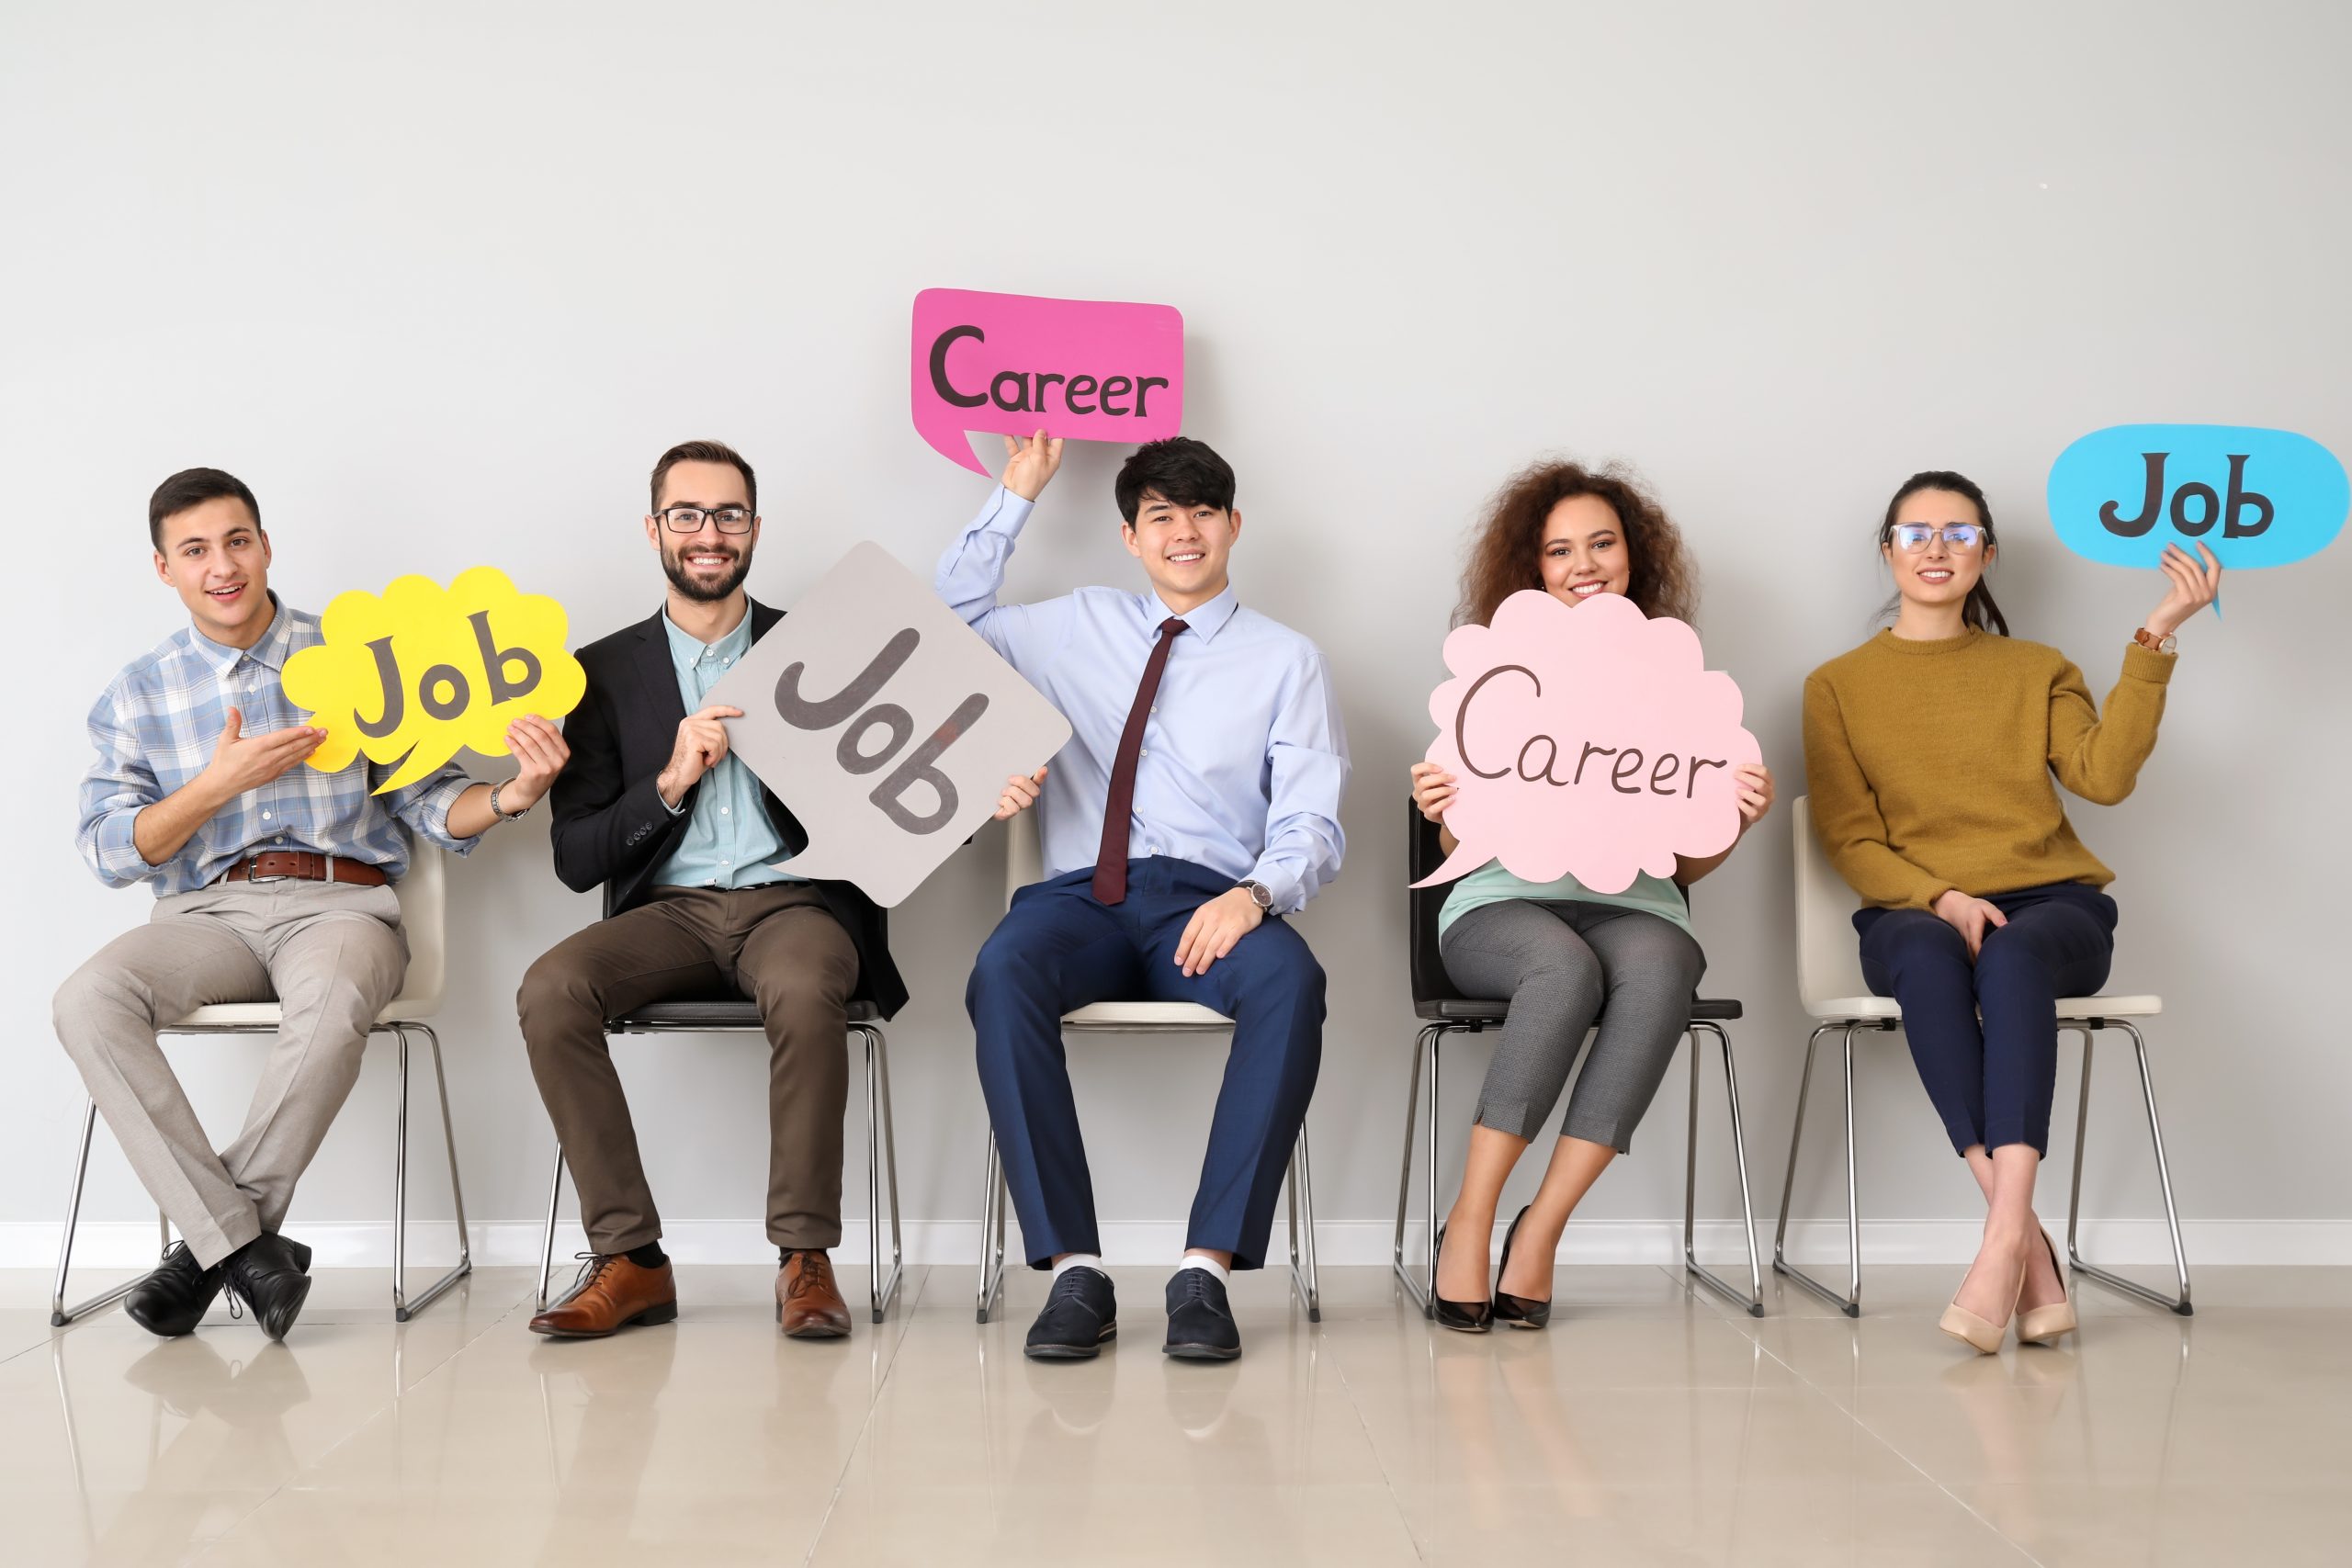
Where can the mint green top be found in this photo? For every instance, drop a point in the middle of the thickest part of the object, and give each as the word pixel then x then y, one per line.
pixel 730 842
pixel 1490 884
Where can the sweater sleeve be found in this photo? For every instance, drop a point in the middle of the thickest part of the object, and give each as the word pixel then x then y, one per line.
pixel 2099 759
pixel 1846 815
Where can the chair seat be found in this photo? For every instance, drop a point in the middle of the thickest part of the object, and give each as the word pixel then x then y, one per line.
pixel 715 1013
pixel 1470 1011
pixel 1145 1015
pixel 1875 1009
pixel 269 1015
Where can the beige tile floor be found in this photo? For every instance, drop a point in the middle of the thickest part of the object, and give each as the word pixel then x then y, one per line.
pixel 1649 1424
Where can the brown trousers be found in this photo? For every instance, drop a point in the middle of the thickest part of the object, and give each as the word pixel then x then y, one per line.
pixel 778 945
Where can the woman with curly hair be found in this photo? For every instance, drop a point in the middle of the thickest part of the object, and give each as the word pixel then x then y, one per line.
pixel 1564 957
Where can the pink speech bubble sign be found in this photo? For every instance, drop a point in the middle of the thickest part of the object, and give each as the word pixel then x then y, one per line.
pixel 1014 364
pixel 1587 741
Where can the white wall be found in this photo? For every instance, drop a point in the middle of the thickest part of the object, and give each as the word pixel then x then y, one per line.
pixel 442 282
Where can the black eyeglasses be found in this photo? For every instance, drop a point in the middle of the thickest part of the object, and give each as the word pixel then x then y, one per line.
pixel 689 519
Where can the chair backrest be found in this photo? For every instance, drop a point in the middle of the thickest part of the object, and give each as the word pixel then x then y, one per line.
pixel 424 900
pixel 1829 961
pixel 1025 854
pixel 1423 855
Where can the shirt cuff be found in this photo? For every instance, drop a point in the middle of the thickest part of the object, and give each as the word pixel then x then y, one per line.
pixel 115 856
pixel 1281 881
pixel 1006 511
pixel 2142 662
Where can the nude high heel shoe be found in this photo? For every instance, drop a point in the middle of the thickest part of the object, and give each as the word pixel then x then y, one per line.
pixel 2042 1325
pixel 1979 1335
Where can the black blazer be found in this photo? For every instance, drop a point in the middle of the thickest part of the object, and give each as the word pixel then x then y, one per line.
pixel 610 825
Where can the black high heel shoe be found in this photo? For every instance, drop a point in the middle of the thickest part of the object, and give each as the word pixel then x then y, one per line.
pixel 1519 1312
pixel 1462 1317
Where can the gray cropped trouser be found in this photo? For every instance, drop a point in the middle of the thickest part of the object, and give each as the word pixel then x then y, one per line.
pixel 1561 965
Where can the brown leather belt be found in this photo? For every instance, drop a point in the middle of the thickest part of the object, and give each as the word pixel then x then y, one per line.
pixel 275 866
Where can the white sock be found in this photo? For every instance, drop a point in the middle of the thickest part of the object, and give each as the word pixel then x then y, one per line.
pixel 1081 1261
pixel 1206 1265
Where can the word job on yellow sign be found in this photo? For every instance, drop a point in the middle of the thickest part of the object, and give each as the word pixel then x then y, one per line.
pixel 422 673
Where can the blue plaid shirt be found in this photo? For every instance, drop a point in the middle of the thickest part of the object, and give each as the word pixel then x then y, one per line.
pixel 156 728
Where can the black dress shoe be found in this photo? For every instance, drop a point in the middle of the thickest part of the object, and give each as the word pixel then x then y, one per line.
pixel 267 1275
pixel 1200 1323
pixel 173 1299
pixel 1519 1312
pixel 1462 1317
pixel 1081 1314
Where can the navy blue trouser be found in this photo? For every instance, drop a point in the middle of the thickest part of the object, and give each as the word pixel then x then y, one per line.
pixel 1058 948
pixel 1991 1081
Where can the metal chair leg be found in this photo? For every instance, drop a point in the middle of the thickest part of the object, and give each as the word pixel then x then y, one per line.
pixel 1425 1055
pixel 1302 1230
pixel 991 1234
pixel 60 1315
pixel 881 1166
pixel 403 1308
pixel 547 1237
pixel 1752 1302
pixel 1851 1303
pixel 2180 1304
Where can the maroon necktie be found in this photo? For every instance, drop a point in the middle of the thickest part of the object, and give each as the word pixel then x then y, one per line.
pixel 1111 864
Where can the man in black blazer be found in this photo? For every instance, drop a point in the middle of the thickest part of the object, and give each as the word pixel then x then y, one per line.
pixel 694 855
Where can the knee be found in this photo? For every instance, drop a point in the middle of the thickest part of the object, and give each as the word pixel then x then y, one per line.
pixel 556 995
pixel 90 994
pixel 2004 959
pixel 1004 967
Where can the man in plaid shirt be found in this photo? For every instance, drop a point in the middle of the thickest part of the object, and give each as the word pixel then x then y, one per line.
pixel 272 881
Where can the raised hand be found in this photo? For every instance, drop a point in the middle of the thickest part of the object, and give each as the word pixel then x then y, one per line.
pixel 1028 465
pixel 2193 584
pixel 1433 790
pixel 1974 918
pixel 242 762
pixel 1020 793
pixel 702 741
pixel 539 746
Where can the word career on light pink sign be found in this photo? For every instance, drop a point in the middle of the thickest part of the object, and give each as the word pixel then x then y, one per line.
pixel 1014 364
pixel 1585 741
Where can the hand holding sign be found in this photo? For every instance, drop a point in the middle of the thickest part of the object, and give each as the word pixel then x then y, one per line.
pixel 886 724
pixel 416 675
pixel 1587 741
pixel 1010 363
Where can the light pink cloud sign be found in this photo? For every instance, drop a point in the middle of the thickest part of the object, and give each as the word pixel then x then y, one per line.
pixel 1012 364
pixel 1587 741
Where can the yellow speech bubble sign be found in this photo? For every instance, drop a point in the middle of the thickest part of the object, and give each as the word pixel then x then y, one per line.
pixel 422 673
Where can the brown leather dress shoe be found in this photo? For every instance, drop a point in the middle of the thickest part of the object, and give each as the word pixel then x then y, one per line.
pixel 612 1293
pixel 807 1304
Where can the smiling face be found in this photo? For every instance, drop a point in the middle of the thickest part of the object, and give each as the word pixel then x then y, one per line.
pixel 1939 573
pixel 1184 550
pixel 217 558
pixel 1584 551
pixel 705 566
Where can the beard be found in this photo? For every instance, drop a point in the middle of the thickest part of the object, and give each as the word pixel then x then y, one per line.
pixel 674 567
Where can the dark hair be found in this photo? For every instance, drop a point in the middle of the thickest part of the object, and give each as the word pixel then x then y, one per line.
pixel 704 452
pixel 1979 610
pixel 1179 470
pixel 193 487
pixel 1509 554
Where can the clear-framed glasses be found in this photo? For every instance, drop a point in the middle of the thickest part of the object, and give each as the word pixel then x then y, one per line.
pixel 1958 538
pixel 689 519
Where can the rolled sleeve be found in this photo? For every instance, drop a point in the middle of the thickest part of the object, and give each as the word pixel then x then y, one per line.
pixel 424 805
pixel 118 786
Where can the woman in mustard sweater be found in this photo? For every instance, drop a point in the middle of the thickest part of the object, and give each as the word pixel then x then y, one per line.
pixel 1930 753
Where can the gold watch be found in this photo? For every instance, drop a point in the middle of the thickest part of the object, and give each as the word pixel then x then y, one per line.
pixel 2168 644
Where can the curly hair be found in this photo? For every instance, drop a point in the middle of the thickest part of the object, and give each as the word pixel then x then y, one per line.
pixel 1508 555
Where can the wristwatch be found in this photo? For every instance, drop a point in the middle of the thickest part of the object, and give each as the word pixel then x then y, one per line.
pixel 2155 644
pixel 1260 895
pixel 506 816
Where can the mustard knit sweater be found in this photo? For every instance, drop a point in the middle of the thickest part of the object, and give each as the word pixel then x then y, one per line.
pixel 1931 763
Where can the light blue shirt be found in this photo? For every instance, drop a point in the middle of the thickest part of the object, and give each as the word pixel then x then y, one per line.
pixel 730 842
pixel 1243 758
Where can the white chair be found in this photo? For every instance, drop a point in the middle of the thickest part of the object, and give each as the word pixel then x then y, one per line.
pixel 424 903
pixel 1024 863
pixel 1829 982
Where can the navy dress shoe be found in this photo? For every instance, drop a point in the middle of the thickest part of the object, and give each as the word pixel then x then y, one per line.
pixel 266 1274
pixel 173 1299
pixel 1081 1314
pixel 1200 1324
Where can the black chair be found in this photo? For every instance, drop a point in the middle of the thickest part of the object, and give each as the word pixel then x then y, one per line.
pixel 738 1015
pixel 1444 1011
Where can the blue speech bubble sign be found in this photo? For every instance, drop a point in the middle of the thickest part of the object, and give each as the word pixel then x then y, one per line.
pixel 2253 496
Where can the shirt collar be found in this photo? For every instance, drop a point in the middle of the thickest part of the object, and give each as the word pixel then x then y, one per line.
pixel 1203 621
pixel 271 650
pixel 686 651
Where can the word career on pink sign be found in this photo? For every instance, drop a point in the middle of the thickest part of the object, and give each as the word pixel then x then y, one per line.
pixel 1587 741
pixel 1013 364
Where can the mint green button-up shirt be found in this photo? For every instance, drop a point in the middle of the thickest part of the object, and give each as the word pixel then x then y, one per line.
pixel 730 842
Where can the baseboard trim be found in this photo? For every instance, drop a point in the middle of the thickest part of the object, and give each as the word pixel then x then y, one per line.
pixel 120 1244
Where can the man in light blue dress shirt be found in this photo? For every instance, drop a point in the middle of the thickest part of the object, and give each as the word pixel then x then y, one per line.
pixel 1196 805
